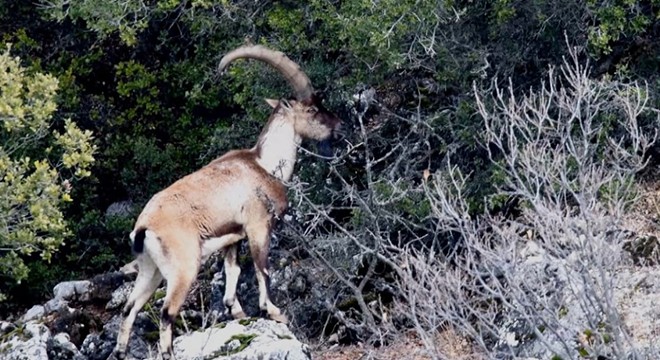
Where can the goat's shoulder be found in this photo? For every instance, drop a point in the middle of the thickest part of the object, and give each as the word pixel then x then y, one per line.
pixel 243 165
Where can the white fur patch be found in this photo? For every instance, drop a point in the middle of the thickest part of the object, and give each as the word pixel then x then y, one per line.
pixel 154 249
pixel 278 149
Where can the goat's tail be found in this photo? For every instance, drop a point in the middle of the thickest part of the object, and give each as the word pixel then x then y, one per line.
pixel 138 240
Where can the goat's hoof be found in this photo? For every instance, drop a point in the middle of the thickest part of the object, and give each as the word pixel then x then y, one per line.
pixel 168 356
pixel 238 315
pixel 117 355
pixel 280 318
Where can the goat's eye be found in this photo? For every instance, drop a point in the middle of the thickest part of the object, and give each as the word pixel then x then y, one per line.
pixel 312 109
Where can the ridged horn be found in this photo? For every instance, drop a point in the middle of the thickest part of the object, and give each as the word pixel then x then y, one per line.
pixel 277 59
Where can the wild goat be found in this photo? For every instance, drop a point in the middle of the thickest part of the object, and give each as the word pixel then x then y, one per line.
pixel 237 195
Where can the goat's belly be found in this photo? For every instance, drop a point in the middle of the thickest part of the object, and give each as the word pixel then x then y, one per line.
pixel 211 245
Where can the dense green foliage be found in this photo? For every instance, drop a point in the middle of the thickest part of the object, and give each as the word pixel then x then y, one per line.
pixel 36 168
pixel 141 76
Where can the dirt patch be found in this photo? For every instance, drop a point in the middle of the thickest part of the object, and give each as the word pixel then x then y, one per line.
pixel 407 347
pixel 643 219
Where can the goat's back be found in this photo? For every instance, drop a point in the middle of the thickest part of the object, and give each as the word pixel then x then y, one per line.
pixel 217 199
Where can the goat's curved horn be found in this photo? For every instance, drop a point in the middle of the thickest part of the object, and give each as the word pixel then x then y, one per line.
pixel 277 59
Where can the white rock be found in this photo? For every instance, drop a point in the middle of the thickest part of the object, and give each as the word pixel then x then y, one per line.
pixel 27 343
pixel 63 348
pixel 73 290
pixel 6 326
pixel 260 339
pixel 120 209
pixel 35 312
pixel 120 296
pixel 57 305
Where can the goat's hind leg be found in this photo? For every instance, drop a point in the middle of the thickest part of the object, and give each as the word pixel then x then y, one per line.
pixel 148 279
pixel 180 272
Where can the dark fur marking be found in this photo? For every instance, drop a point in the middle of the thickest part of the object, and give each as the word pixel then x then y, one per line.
pixel 165 318
pixel 120 355
pixel 259 148
pixel 260 258
pixel 166 251
pixel 127 309
pixel 138 243
pixel 323 116
pixel 324 147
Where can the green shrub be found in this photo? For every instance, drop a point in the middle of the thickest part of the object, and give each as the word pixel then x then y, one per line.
pixel 38 168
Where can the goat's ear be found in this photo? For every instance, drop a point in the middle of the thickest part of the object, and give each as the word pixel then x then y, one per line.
pixel 286 103
pixel 273 103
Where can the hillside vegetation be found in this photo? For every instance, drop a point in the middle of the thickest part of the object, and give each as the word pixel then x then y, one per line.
pixel 485 143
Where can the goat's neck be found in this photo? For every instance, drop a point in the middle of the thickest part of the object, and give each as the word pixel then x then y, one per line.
pixel 277 147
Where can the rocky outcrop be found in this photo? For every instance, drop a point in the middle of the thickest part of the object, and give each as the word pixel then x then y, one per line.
pixel 27 341
pixel 82 320
pixel 245 339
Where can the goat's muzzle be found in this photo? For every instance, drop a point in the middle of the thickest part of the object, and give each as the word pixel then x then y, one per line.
pixel 325 147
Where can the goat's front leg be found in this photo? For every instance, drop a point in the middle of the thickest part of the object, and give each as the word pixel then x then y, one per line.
pixel 232 272
pixel 259 240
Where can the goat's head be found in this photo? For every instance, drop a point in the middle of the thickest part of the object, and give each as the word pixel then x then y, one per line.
pixel 310 118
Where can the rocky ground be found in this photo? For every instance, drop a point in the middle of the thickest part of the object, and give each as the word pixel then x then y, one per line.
pixel 81 323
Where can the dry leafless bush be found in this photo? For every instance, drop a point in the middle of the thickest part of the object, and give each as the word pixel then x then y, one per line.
pixel 540 283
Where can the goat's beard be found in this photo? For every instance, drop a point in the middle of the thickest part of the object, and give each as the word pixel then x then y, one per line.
pixel 324 148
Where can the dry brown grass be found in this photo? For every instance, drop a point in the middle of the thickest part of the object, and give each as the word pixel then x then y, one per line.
pixel 408 347
pixel 644 216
